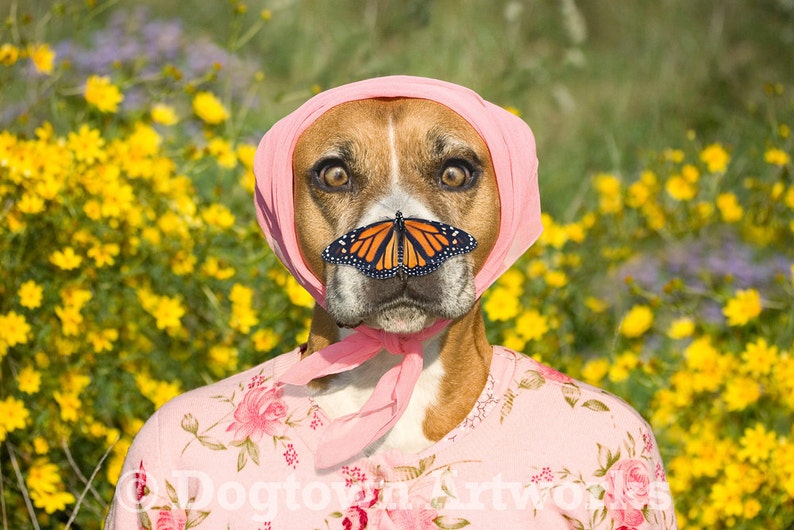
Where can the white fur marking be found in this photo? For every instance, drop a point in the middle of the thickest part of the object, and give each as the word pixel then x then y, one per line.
pixel 348 392
pixel 395 162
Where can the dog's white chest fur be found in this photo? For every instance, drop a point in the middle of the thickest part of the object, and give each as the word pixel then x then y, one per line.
pixel 348 391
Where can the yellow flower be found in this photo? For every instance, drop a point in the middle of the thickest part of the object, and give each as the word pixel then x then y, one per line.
pixel 158 392
pixel 501 305
pixel 42 57
pixel 243 318
pixel 30 294
pixel 9 54
pixel 596 305
pixel 87 145
pixel 743 308
pixel 741 392
pixel 14 329
pixel 513 281
pixel 29 380
pixel 622 367
pixel 556 279
pixel 776 157
pixel 102 94
pixel 637 321
pixel 715 157
pixel 66 259
pixel 164 114
pixel 103 341
pixel 680 188
pixel 209 108
pixel 69 405
pixel 297 294
pixel 223 359
pixel 265 340
pixel 638 194
pixel 13 416
pixel 674 155
pixel 223 152
pixel 730 209
pixel 681 328
pixel 609 192
pixel 104 254
pixel 46 488
pixel 757 444
pixel 219 216
pixel 52 502
pixel 594 371
pixel 215 269
pixel 30 203
pixel 531 325
pixel 708 367
pixel 168 312
pixel 759 357
pixel 40 445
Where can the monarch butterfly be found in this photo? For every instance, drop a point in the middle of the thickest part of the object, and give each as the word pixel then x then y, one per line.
pixel 416 246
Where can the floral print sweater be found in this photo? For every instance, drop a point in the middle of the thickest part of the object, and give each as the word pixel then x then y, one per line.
pixel 539 450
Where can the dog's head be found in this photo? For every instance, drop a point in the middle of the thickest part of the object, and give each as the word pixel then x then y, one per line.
pixel 361 162
pixel 362 152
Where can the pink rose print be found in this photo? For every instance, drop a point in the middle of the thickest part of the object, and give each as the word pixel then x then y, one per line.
pixel 627 492
pixel 550 374
pixel 356 517
pixel 260 412
pixel 140 483
pixel 419 516
pixel 171 520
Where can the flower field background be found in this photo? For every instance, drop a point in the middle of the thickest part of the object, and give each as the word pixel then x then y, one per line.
pixel 132 268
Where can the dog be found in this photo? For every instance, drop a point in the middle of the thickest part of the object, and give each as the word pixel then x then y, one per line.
pixel 361 162
pixel 396 202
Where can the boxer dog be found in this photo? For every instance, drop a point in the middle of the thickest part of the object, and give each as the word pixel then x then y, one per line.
pixel 360 163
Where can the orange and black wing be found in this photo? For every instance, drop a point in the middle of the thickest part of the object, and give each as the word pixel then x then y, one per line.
pixel 428 244
pixel 373 249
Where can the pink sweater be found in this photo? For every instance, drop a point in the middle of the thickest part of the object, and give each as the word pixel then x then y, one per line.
pixel 539 450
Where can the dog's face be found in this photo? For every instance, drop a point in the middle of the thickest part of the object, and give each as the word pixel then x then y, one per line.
pixel 363 161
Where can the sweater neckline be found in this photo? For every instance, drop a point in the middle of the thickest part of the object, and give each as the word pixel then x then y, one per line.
pixel 500 375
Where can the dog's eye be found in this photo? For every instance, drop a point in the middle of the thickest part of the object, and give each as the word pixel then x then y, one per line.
pixel 332 175
pixel 456 175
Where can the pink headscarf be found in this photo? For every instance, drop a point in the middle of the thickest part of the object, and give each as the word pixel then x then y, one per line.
pixel 512 148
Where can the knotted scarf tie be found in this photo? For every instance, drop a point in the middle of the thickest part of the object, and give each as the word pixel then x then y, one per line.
pixel 348 435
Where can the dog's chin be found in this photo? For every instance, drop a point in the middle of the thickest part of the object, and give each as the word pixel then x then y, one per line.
pixel 401 319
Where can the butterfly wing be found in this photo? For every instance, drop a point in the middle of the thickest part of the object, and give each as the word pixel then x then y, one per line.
pixel 372 249
pixel 428 244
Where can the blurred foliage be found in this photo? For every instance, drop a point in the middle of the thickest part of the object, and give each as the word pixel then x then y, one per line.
pixel 132 268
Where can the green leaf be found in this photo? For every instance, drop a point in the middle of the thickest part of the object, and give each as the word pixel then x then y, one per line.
pixel 438 503
pixel 253 451
pixel 211 443
pixel 143 518
pixel 572 393
pixel 597 491
pixel 450 523
pixel 408 472
pixel 242 459
pixel 426 462
pixel 594 404
pixel 532 381
pixel 195 518
pixel 172 496
pixel 507 406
